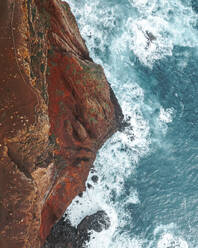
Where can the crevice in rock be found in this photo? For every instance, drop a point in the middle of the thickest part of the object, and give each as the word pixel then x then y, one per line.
pixel 78 160
pixel 19 163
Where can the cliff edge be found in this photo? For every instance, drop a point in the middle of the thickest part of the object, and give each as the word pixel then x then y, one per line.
pixel 56 110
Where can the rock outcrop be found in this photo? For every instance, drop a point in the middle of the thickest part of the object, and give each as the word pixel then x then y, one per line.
pixel 56 110
pixel 64 235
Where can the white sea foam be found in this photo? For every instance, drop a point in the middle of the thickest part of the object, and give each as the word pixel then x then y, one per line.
pixel 119 157
pixel 102 241
pixel 165 117
pixel 166 236
pixel 171 23
pixel 170 241
pixel 137 138
pixel 127 242
pixel 115 162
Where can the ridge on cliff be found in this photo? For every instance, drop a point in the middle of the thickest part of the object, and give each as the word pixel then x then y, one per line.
pixel 56 111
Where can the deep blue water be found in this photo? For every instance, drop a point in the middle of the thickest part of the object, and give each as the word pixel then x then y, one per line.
pixel 149 175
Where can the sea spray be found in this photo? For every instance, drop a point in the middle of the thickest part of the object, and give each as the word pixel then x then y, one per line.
pixel 148 50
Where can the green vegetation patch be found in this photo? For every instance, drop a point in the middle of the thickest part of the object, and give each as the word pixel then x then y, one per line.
pixel 42 68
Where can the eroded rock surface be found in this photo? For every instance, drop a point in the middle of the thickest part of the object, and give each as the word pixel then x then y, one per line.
pixel 64 235
pixel 56 110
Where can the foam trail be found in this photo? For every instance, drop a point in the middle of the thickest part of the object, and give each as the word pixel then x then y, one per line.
pixel 168 240
pixel 171 23
pixel 167 236
pixel 117 34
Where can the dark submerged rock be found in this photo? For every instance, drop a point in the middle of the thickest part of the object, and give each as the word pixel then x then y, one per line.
pixel 64 235
pixel 96 222
pixel 94 178
pixel 150 36
pixel 80 194
pixel 89 186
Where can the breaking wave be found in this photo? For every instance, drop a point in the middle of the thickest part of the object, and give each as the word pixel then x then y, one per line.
pixel 146 48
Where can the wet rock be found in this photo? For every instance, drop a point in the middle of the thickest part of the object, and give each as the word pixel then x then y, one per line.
pixel 80 194
pixel 150 36
pixel 64 235
pixel 89 186
pixel 61 235
pixel 94 178
pixel 96 222
pixel 126 128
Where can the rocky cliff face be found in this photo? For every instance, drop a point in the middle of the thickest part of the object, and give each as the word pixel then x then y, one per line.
pixel 56 110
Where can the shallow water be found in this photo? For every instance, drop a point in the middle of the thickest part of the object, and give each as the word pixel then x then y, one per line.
pixel 148 176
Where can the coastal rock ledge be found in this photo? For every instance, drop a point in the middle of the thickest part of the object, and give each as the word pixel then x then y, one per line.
pixel 56 110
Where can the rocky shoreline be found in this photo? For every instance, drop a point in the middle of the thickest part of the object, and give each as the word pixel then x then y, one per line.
pixel 63 234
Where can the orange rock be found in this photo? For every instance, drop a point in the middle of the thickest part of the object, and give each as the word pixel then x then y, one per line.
pixel 56 111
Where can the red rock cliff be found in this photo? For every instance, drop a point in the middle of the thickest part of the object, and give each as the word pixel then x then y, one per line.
pixel 56 110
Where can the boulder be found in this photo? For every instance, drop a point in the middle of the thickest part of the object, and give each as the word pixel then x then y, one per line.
pixel 66 236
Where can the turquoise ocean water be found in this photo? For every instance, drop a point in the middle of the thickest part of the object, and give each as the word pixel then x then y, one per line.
pixel 148 175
